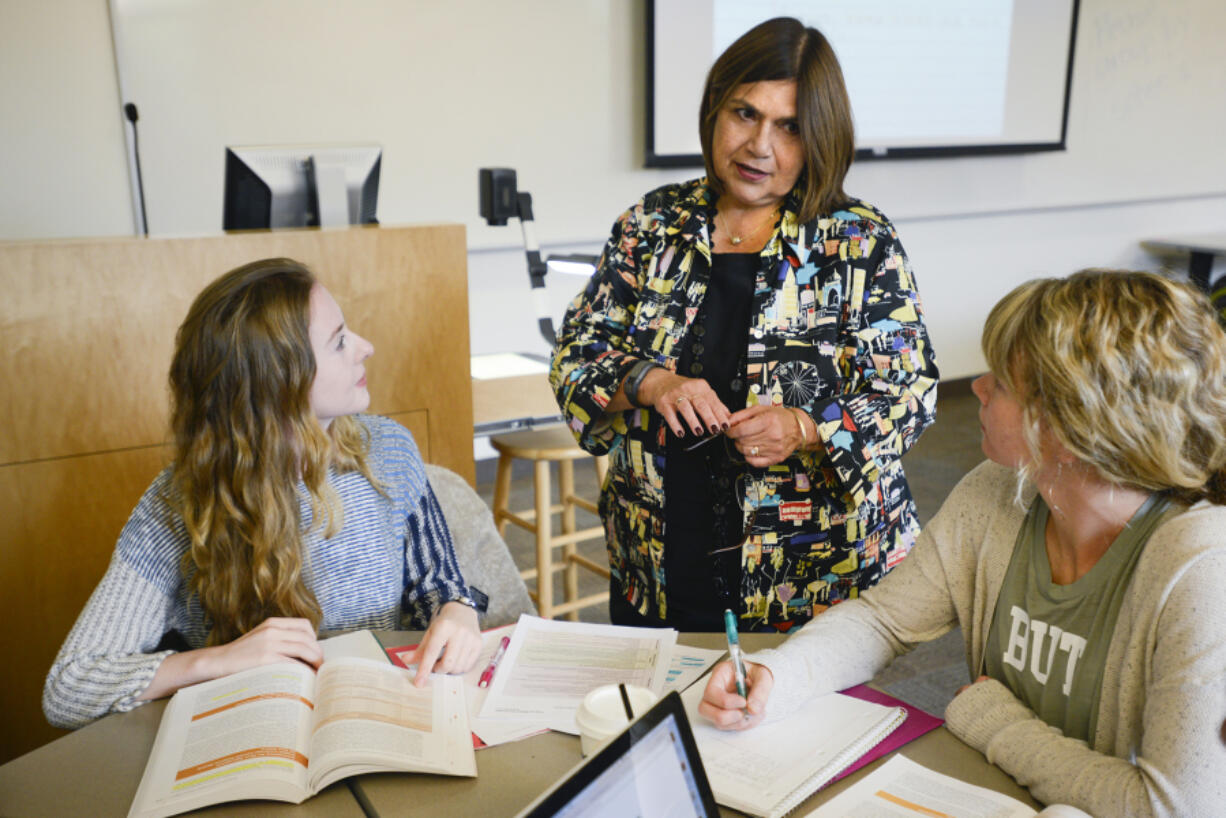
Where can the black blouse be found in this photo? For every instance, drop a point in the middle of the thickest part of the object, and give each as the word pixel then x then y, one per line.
pixel 702 512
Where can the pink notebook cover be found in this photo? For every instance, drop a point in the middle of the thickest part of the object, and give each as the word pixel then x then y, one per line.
pixel 918 722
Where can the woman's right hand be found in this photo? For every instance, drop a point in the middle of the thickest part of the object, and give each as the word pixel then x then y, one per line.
pixel 276 639
pixel 725 707
pixel 689 405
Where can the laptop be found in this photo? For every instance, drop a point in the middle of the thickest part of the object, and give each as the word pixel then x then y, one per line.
pixel 651 770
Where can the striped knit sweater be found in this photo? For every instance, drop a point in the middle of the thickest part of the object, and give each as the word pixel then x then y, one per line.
pixel 391 566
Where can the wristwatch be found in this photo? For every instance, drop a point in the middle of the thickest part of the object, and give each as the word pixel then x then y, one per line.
pixel 635 379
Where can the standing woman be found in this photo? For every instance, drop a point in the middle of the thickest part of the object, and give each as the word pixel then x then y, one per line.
pixel 284 513
pixel 763 310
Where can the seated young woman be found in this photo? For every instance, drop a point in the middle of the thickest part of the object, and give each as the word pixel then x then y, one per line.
pixel 1085 563
pixel 285 512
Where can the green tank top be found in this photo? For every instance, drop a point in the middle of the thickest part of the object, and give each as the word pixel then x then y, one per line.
pixel 1048 642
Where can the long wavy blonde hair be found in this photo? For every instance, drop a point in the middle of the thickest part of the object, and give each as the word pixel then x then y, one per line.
pixel 1126 369
pixel 244 435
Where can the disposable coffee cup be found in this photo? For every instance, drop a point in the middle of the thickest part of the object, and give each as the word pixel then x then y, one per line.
pixel 602 715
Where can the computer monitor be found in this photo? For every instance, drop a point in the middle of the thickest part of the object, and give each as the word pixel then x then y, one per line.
pixel 270 186
pixel 651 770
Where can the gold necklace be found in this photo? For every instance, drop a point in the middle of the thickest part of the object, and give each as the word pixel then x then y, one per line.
pixel 736 240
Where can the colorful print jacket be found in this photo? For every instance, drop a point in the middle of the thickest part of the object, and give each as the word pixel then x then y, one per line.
pixel 836 329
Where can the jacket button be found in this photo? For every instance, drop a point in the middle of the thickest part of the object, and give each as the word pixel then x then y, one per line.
pixel 696 368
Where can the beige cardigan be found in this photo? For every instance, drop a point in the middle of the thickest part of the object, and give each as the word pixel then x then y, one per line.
pixel 1157 749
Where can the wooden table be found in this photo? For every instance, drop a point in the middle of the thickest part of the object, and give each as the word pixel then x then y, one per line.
pixel 506 403
pixel 95 771
pixel 1200 249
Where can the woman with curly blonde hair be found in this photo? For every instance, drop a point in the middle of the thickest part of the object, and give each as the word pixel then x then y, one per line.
pixel 1085 563
pixel 285 512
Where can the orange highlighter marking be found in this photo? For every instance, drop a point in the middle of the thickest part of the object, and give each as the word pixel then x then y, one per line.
pixel 243 755
pixel 249 699
pixel 902 802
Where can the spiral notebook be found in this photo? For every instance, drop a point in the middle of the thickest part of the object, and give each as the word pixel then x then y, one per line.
pixel 769 770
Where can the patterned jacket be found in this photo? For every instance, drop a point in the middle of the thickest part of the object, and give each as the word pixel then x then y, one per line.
pixel 835 329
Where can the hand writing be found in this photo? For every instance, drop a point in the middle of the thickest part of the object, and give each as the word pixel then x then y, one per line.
pixel 725 708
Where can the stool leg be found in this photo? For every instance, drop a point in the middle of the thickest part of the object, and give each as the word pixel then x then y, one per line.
pixel 502 493
pixel 566 490
pixel 602 468
pixel 544 544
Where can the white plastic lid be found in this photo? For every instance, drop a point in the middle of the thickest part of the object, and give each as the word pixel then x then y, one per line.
pixel 602 715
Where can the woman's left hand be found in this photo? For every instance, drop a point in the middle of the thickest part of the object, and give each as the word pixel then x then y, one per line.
pixel 765 435
pixel 451 644
pixel 977 681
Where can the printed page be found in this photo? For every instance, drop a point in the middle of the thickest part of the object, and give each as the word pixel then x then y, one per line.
pixel 361 644
pixel 369 717
pixel 486 732
pixel 550 666
pixel 753 770
pixel 900 788
pixel 688 664
pixel 241 736
pixel 492 731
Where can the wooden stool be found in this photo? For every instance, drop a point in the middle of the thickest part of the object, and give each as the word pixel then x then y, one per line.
pixel 544 446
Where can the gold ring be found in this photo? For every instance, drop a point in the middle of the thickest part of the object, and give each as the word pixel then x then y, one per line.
pixel 753 451
pixel 682 400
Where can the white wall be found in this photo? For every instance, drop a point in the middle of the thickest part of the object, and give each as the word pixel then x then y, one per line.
pixel 553 88
pixel 63 170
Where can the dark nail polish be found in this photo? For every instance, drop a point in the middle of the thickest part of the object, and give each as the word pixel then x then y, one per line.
pixel 714 429
pixel 697 431
pixel 725 427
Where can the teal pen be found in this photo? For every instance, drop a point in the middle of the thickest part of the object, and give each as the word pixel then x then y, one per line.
pixel 734 650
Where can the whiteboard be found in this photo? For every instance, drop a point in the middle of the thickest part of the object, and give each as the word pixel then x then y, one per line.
pixel 554 89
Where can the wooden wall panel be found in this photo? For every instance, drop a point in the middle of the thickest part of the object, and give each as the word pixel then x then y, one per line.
pixel 60 523
pixel 86 334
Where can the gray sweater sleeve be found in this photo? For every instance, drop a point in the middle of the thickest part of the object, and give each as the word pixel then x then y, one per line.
pixel 853 641
pixel 106 661
pixel 101 666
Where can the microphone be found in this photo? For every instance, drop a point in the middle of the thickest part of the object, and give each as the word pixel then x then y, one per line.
pixel 129 111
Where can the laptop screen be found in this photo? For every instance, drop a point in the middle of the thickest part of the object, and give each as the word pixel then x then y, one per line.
pixel 650 770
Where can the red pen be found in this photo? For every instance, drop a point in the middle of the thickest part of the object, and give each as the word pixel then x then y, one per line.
pixel 487 675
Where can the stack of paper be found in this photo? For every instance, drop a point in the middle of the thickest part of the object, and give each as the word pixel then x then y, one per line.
pixel 549 666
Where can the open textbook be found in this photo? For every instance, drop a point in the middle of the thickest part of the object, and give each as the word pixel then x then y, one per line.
pixel 769 769
pixel 900 788
pixel 284 732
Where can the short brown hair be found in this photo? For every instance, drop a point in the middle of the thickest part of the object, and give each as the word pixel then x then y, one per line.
pixel 785 49
pixel 1126 369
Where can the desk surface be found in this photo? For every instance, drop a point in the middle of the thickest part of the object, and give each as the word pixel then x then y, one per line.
pixel 1201 248
pixel 96 770
pixel 1199 243
pixel 511 776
